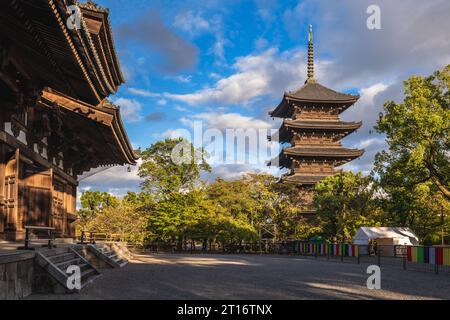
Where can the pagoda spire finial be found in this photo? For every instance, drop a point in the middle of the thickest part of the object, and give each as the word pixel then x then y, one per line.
pixel 310 56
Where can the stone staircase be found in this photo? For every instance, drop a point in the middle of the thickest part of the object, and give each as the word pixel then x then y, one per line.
pixel 56 261
pixel 109 254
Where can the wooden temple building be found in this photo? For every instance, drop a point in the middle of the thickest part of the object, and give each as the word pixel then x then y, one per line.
pixel 55 120
pixel 313 130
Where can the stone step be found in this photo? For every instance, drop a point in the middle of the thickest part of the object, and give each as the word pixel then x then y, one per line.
pixel 65 264
pixel 86 274
pixel 63 257
pixel 111 255
pixel 52 252
pixel 122 263
pixel 57 262
pixel 84 266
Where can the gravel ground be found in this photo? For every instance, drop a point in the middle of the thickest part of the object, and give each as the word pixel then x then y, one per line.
pixel 179 277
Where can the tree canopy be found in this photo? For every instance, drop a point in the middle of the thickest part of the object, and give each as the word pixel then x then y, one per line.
pixel 417 132
pixel 408 187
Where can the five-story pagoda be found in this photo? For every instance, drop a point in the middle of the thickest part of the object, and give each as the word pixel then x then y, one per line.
pixel 314 131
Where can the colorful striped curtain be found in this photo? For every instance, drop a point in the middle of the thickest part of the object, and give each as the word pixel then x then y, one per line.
pixel 429 255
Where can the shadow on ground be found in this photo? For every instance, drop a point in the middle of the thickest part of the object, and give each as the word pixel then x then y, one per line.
pixel 255 277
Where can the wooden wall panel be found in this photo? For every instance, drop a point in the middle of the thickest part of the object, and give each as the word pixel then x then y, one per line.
pixel 36 199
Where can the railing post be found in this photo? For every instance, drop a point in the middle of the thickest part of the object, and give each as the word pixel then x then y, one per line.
pixel 27 238
pixel 50 239
pixel 436 265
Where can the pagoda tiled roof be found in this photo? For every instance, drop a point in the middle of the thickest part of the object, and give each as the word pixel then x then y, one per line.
pixel 315 92
pixel 289 126
pixel 324 125
pixel 332 152
pixel 303 179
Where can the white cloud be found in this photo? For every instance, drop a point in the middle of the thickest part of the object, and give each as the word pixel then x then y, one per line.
pixel 191 22
pixel 368 94
pixel 366 110
pixel 412 39
pixel 180 108
pixel 233 172
pixel 129 109
pixel 226 120
pixel 143 93
pixel 269 73
pixel 261 43
pixel 162 102
pixel 115 180
pixel 183 79
pixel 196 25
pixel 214 76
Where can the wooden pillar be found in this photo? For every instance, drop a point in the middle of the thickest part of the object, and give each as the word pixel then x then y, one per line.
pixel 2 190
pixel 13 231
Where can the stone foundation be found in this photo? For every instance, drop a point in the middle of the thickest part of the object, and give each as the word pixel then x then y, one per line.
pixel 16 275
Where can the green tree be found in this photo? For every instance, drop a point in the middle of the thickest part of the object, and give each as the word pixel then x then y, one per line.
pixel 417 132
pixel 345 202
pixel 173 165
pixel 121 220
pixel 419 207
pixel 92 202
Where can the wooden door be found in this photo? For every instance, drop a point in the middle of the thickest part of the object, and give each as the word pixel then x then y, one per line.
pixel 37 204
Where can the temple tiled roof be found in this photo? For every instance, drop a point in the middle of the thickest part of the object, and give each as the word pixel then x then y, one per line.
pixel 103 122
pixel 81 63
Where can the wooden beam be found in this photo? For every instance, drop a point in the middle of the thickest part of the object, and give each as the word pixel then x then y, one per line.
pixel 79 108
pixel 14 143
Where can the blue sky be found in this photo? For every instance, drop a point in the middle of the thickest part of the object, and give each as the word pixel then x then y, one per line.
pixel 228 63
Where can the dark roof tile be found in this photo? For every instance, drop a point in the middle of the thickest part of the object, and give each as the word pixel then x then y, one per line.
pixel 313 91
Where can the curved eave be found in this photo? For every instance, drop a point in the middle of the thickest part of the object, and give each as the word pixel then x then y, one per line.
pixel 322 125
pixel 45 48
pixel 308 180
pixel 122 137
pixel 324 153
pixel 278 112
pixel 75 42
pixel 86 52
pixel 285 109
pixel 104 114
pixel 93 58
pixel 104 35
pixel 351 100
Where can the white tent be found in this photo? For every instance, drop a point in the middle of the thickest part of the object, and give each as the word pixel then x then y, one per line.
pixel 386 236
